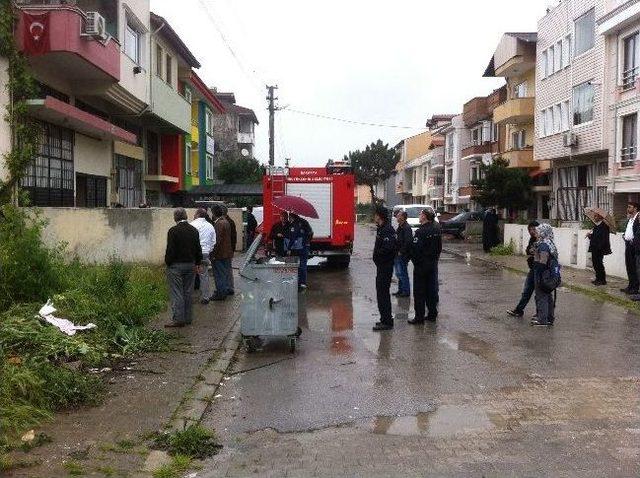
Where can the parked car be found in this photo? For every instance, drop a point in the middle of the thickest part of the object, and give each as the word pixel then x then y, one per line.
pixel 457 224
pixel 413 213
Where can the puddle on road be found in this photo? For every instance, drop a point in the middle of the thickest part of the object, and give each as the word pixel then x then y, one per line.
pixel 473 345
pixel 445 421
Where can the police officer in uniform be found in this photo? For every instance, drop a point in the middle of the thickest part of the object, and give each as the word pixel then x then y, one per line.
pixel 384 254
pixel 425 254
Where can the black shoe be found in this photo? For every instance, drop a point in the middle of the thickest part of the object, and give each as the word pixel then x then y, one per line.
pixel 218 298
pixel 598 282
pixel 231 292
pixel 415 321
pixel 515 313
pixel 431 318
pixel 381 326
pixel 403 295
pixel 541 323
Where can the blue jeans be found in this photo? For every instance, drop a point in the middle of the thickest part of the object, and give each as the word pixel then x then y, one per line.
pixel 221 269
pixel 303 257
pixel 402 273
pixel 527 291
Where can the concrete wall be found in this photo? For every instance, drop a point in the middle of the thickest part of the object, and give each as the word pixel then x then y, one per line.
pixel 5 131
pixel 572 247
pixel 133 235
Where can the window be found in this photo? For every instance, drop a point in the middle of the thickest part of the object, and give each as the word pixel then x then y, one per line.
pixel 564 116
pixel 583 176
pixel 550 60
pixel 520 90
pixel 518 139
pixel 187 158
pixel 49 179
pixel 159 57
pixel 209 166
pixel 169 70
pixel 91 191
pixel 582 103
pixel 476 136
pixel 585 32
pixel 496 133
pixel 449 147
pixel 629 151
pixel 188 95
pixel 557 66
pixel 132 43
pixel 543 66
pixel 474 174
pixel 129 181
pixel 566 51
pixel 557 119
pixel 548 121
pixel 554 119
pixel 630 61
pixel 208 116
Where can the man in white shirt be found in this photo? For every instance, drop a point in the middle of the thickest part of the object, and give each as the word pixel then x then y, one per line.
pixel 631 256
pixel 207 242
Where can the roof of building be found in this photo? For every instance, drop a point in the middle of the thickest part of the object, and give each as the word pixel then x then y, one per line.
pixel 205 92
pixel 240 111
pixel 165 29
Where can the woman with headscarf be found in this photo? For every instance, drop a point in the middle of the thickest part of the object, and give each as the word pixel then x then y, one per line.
pixel 544 257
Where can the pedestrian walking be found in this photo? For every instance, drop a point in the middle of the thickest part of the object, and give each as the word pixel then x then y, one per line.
pixel 529 282
pixel 234 246
pixel 425 254
pixel 207 235
pixel 545 258
pixel 401 264
pixel 384 254
pixel 182 257
pixel 631 248
pixel 599 246
pixel 279 233
pixel 299 238
pixel 252 226
pixel 221 254
pixel 490 230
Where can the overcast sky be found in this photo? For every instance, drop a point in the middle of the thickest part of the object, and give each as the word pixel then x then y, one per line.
pixel 391 62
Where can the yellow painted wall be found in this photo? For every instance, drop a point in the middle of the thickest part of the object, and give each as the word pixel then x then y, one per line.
pixel 418 145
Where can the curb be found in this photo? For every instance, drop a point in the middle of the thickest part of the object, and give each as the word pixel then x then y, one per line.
pixel 582 289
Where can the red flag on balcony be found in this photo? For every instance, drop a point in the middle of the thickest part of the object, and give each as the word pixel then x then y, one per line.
pixel 36 35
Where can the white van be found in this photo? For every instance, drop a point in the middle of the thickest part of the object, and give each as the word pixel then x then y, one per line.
pixel 413 213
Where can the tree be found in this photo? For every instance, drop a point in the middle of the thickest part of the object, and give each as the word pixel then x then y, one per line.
pixel 237 169
pixel 376 163
pixel 503 187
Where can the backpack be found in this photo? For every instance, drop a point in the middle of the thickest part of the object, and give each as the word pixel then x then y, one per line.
pixel 551 278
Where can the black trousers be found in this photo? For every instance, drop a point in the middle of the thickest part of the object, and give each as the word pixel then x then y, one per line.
pixel 384 272
pixel 598 266
pixel 630 262
pixel 425 292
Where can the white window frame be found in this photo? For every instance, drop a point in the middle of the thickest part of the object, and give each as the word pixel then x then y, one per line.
pixel 551 60
pixel 635 72
pixel 543 66
pixel 209 166
pixel 187 154
pixel 558 57
pixel 188 95
pixel 131 30
pixel 518 140
pixel 520 90
pixel 577 54
pixel 566 51
pixel 208 120
pixel 159 61
pixel 573 106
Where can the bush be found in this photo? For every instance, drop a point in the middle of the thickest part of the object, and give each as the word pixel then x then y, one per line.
pixel 503 249
pixel 194 441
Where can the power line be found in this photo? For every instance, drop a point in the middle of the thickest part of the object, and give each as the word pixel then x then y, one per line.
pixel 342 120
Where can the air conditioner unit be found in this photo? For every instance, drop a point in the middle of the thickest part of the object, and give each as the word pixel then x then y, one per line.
pixel 96 26
pixel 570 140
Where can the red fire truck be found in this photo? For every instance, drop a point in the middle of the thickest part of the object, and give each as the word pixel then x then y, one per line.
pixel 331 191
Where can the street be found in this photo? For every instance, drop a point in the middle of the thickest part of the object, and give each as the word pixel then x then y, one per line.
pixel 477 394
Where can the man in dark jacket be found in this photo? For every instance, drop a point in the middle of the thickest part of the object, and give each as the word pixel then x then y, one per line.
pixel 182 257
pixel 631 238
pixel 221 254
pixel 405 240
pixel 384 253
pixel 252 226
pixel 425 254
pixel 490 230
pixel 233 230
pixel 299 238
pixel 599 246
pixel 529 282
pixel 279 233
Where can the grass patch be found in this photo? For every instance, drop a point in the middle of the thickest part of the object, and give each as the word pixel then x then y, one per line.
pixel 503 249
pixel 74 468
pixel 179 465
pixel 195 441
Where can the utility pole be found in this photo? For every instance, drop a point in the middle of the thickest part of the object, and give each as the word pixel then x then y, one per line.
pixel 272 114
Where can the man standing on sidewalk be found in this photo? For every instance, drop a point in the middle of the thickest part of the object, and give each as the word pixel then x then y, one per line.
pixel 425 254
pixel 599 246
pixel 401 264
pixel 384 253
pixel 221 254
pixel 183 257
pixel 631 239
pixel 233 231
pixel 529 282
pixel 207 241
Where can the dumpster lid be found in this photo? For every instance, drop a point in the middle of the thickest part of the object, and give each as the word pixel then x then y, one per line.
pixel 251 252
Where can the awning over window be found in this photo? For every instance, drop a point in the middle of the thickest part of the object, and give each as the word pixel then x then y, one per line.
pixel 63 114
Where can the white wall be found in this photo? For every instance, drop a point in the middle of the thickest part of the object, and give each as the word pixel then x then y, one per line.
pixel 572 247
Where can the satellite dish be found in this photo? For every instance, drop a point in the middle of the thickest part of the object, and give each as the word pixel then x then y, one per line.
pixel 244 152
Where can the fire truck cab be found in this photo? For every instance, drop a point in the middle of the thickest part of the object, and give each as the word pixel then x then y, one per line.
pixel 331 191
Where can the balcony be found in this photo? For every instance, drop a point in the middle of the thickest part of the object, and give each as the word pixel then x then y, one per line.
pixel 477 149
pixel 436 192
pixel 66 50
pixel 520 158
pixel 466 191
pixel 437 161
pixel 170 106
pixel 620 14
pixel 475 111
pixel 246 138
pixel 515 111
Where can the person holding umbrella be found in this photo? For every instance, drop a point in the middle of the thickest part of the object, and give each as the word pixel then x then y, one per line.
pixel 599 242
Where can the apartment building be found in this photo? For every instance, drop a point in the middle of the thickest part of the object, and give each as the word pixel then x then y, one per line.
pixel 619 25
pixel 433 172
pixel 515 61
pixel 570 107
pixel 486 139
pixel 234 130
pixel 456 172
pixel 410 168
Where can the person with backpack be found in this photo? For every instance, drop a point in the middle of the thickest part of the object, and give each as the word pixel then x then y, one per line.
pixel 547 276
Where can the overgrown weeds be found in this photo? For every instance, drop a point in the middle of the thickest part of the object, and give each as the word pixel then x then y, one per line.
pixel 194 441
pixel 503 249
pixel 41 369
pixel 175 469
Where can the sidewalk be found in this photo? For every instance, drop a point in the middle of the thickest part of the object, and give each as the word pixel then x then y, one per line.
pixel 142 396
pixel 578 280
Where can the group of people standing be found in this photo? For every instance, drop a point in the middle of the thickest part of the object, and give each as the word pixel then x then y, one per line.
pixel 393 250
pixel 291 236
pixel 192 248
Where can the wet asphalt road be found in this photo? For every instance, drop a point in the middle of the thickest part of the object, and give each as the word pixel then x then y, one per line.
pixel 478 393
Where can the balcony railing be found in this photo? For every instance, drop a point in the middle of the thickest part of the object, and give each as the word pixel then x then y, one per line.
pixel 515 111
pixel 436 192
pixel 629 78
pixel 476 148
pixel 628 156
pixel 436 161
